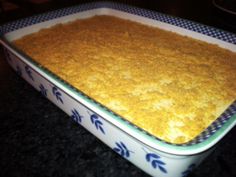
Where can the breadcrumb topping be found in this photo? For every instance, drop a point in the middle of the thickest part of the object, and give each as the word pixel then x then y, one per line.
pixel 172 86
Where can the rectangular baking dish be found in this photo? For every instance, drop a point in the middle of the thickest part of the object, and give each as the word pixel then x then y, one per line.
pixel 154 156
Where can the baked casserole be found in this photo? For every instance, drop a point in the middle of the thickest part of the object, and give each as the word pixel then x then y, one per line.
pixel 169 85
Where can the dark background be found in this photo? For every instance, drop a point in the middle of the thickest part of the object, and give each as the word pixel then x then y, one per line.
pixel 38 139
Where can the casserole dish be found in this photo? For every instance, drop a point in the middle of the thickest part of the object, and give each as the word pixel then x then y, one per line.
pixel 156 157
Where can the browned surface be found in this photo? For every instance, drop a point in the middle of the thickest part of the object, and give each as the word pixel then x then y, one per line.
pixel 171 86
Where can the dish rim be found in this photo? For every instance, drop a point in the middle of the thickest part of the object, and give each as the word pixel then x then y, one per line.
pixel 153 142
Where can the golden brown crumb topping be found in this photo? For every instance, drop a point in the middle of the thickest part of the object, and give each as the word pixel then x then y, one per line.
pixel 169 85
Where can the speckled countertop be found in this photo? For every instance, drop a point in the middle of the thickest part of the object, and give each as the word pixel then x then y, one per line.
pixel 38 139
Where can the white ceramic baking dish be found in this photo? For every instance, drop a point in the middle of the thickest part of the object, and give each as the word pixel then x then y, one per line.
pixel 154 156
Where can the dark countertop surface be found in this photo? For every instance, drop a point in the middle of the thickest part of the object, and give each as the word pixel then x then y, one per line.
pixel 38 139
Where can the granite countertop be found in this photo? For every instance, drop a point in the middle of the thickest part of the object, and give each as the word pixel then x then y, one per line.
pixel 38 139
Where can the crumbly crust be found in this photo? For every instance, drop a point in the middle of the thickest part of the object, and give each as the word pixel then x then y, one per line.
pixel 172 86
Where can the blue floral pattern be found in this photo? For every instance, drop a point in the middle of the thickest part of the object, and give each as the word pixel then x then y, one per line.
pixel 156 161
pixel 57 94
pixel 29 72
pixel 76 116
pixel 43 90
pixel 122 149
pixel 97 122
